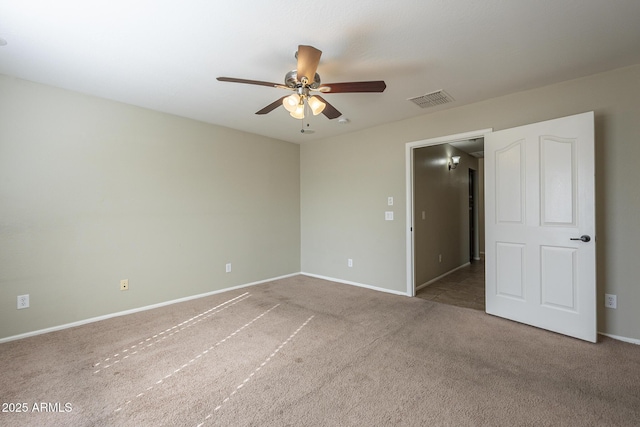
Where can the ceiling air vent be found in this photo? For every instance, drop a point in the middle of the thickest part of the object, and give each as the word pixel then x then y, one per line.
pixel 432 99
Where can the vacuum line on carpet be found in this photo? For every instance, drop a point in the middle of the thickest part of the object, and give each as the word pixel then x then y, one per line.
pixel 231 335
pixel 134 349
pixel 255 371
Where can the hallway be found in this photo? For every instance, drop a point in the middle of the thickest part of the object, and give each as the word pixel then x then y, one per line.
pixel 462 288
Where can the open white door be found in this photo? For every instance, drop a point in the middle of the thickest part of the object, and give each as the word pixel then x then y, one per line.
pixel 540 225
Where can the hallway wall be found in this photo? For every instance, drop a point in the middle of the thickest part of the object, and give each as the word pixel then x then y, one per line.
pixel 441 211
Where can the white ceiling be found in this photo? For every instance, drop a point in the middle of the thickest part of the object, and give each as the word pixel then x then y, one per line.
pixel 166 54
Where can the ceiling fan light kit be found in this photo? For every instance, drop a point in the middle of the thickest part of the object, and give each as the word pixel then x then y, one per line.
pixel 291 102
pixel 316 105
pixel 298 113
pixel 298 80
pixel 295 104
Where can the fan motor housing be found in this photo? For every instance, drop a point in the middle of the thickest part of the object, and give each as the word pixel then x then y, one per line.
pixel 291 80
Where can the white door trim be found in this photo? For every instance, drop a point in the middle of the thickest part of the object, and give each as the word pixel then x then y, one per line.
pixel 409 147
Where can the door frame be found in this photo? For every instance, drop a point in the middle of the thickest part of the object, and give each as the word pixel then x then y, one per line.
pixel 409 147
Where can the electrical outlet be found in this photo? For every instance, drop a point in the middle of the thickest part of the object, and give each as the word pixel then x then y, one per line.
pixel 124 284
pixel 610 301
pixel 350 262
pixel 23 301
pixel 227 268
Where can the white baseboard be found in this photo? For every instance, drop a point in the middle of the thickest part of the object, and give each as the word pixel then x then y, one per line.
pixel 361 285
pixel 136 310
pixel 619 338
pixel 442 275
pixel 189 298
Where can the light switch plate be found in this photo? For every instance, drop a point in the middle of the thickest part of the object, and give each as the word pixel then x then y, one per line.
pixel 388 216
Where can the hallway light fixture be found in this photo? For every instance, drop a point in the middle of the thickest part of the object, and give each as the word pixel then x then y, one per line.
pixel 455 161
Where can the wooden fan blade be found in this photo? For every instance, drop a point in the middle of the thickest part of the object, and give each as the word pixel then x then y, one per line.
pixel 249 82
pixel 269 108
pixel 329 110
pixel 350 87
pixel 308 60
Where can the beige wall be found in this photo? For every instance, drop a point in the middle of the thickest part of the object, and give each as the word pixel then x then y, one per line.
pixel 93 191
pixel 441 239
pixel 345 182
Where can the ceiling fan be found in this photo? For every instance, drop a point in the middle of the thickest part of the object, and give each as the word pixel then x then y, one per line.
pixel 303 81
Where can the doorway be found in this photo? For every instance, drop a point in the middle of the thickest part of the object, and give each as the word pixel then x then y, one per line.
pixel 461 281
pixel 464 287
pixel 540 220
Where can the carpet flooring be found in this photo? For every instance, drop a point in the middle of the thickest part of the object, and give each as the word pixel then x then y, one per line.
pixel 306 352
